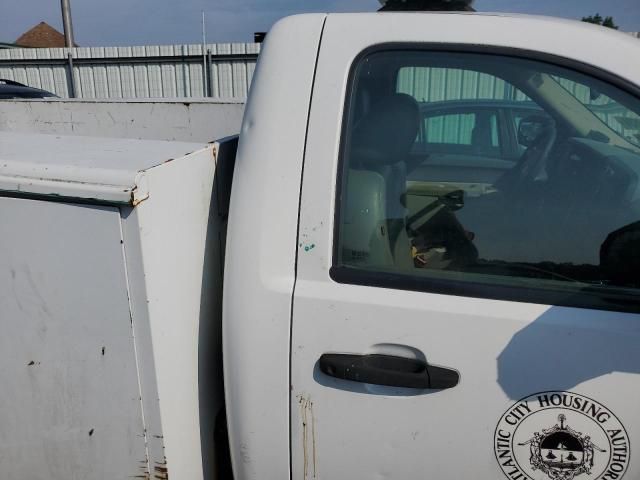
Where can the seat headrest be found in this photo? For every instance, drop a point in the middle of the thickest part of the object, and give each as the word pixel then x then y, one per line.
pixel 386 133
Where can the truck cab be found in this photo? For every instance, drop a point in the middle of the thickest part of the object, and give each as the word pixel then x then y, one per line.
pixel 405 297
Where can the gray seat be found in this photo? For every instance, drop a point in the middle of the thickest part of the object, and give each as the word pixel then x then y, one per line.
pixel 374 222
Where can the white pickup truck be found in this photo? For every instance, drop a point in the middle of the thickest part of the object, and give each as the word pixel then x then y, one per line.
pixel 432 268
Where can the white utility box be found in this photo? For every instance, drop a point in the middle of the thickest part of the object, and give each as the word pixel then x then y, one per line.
pixel 110 282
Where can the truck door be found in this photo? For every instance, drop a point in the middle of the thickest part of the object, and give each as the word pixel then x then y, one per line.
pixel 450 327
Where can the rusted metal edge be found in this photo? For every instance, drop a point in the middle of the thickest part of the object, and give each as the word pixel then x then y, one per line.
pixel 140 191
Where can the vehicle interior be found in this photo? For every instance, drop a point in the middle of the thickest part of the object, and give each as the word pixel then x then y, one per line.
pixel 561 206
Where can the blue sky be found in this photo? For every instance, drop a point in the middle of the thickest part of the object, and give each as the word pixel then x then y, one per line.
pixel 149 22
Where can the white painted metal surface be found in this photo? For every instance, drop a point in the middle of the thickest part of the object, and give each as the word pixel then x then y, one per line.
pixel 70 406
pixel 175 226
pixel 111 312
pixel 365 431
pixel 106 78
pixel 260 260
pixel 184 121
pixel 82 167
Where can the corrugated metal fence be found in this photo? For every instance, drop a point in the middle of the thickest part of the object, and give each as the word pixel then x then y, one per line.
pixel 221 71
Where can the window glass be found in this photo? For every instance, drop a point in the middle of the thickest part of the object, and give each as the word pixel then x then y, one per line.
pixel 453 128
pixel 458 106
pixel 493 128
pixel 616 116
pixel 474 132
pixel 451 172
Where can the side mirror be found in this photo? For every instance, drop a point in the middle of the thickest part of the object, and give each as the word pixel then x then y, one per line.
pixel 530 129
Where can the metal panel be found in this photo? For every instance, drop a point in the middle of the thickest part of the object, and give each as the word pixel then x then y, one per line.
pixel 195 120
pixel 67 346
pixel 182 298
pixel 266 180
pixel 96 169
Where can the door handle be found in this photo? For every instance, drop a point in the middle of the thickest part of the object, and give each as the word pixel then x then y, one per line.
pixel 388 370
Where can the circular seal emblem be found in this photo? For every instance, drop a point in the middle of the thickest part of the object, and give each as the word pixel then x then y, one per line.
pixel 561 436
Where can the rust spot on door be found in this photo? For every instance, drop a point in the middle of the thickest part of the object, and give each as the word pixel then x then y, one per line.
pixel 308 436
pixel 160 471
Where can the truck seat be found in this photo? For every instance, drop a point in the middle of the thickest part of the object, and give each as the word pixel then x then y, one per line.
pixel 376 184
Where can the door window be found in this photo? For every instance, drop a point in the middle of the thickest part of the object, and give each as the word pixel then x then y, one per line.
pixel 561 224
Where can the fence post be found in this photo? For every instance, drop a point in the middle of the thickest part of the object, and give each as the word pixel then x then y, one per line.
pixel 209 75
pixel 72 78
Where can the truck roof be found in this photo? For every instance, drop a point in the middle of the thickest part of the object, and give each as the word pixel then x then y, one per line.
pixel 103 170
pixel 537 20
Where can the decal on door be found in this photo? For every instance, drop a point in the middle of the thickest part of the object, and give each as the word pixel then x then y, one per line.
pixel 561 436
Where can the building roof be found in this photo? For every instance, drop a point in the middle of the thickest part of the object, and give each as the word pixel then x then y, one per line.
pixel 42 35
